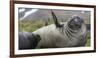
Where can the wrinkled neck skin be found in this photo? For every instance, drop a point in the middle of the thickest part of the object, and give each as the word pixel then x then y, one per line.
pixel 75 33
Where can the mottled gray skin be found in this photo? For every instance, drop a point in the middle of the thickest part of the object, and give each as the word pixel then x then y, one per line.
pixel 28 40
pixel 71 34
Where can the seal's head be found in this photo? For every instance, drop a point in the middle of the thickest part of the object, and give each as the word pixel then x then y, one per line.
pixel 75 22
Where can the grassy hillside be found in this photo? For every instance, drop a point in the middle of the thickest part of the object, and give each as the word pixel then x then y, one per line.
pixel 30 26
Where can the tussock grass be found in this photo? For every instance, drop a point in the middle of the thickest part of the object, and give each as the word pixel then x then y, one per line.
pixel 30 26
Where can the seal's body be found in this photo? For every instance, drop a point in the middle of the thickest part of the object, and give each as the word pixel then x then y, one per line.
pixel 53 37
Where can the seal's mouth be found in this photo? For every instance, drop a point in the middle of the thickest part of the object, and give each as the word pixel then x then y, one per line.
pixel 74 26
pixel 78 25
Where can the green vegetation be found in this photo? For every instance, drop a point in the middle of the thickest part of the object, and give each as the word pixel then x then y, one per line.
pixel 31 26
pixel 88 39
